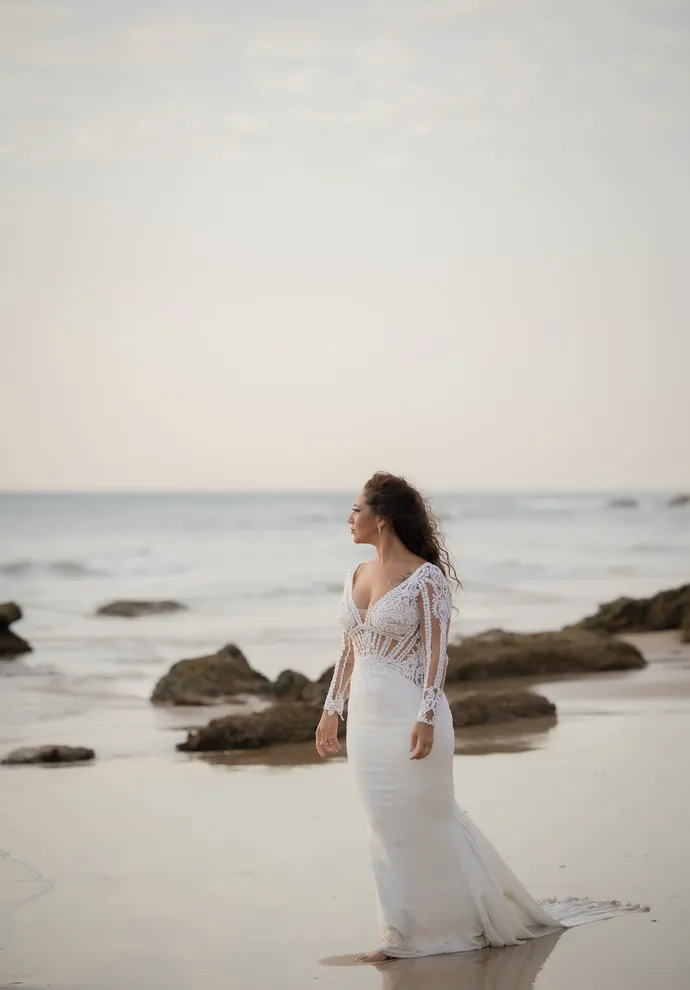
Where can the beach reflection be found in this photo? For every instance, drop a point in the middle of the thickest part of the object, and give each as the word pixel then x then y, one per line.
pixel 513 968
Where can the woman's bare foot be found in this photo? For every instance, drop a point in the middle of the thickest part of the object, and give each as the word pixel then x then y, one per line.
pixel 372 957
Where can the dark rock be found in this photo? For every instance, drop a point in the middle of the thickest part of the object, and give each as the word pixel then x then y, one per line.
pixel 132 610
pixel 678 501
pixel 9 612
pixel 502 654
pixel 623 503
pixel 210 680
pixel 292 686
pixel 625 615
pixel 318 693
pixel 11 645
pixel 667 609
pixel 285 722
pixel 486 708
pixel 49 754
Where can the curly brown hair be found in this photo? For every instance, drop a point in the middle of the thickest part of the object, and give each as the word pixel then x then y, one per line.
pixel 413 521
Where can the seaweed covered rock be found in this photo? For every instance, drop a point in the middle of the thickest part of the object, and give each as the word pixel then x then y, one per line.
pixel 210 680
pixel 285 722
pixel 290 685
pixel 664 610
pixel 502 654
pixel 49 754
pixel 293 686
pixel 487 708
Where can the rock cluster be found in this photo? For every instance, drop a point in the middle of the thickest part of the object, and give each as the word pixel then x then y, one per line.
pixel 295 721
pixel 297 701
pixel 227 674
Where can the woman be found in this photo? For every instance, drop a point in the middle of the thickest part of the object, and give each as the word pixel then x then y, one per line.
pixel 441 886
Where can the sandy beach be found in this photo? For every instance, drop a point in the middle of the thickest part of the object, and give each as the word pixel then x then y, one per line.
pixel 167 871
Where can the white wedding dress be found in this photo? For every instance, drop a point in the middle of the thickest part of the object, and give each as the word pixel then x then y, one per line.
pixel 441 885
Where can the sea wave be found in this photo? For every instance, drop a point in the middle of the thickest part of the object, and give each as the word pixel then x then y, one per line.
pixel 451 510
pixel 122 565
pixel 566 504
pixel 511 594
pixel 313 590
pixel 660 548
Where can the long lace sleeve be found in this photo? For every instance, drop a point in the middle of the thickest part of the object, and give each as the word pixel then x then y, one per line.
pixel 340 683
pixel 435 605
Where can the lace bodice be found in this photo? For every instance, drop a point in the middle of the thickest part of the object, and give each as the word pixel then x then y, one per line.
pixel 406 630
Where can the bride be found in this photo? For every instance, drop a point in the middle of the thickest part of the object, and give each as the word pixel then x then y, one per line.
pixel 441 885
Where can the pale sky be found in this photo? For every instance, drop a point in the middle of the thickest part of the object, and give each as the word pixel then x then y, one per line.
pixel 271 245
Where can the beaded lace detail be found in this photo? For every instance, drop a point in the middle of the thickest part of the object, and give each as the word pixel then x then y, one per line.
pixel 406 629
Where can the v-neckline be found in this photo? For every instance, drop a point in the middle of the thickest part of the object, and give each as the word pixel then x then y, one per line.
pixel 359 610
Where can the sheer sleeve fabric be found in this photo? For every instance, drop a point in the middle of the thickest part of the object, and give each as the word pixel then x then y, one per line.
pixel 340 682
pixel 435 605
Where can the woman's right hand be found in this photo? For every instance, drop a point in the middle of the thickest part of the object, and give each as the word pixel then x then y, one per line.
pixel 327 734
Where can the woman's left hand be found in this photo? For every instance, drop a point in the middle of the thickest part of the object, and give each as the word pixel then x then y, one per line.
pixel 421 741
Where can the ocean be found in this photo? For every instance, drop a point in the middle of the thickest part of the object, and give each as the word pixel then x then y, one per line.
pixel 266 571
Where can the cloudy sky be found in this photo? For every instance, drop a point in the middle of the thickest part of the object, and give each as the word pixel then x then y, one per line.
pixel 271 245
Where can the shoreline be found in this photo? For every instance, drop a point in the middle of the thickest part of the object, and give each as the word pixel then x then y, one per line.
pixel 127 731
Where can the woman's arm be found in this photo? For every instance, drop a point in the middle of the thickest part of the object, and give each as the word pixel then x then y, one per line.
pixel 435 605
pixel 340 682
pixel 327 729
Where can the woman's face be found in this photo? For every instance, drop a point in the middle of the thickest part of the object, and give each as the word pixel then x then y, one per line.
pixel 362 522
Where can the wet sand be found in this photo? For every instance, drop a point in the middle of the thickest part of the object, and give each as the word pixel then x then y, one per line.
pixel 155 870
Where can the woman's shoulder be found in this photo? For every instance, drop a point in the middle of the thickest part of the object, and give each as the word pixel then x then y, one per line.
pixel 355 571
pixel 358 568
pixel 433 573
pixel 427 567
